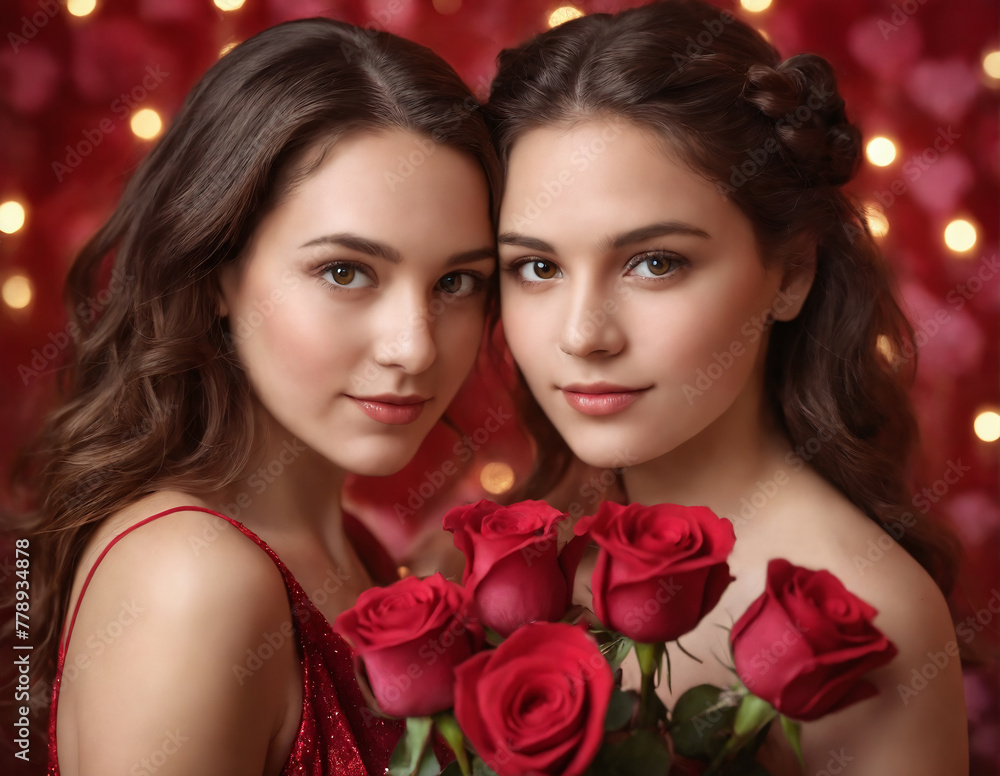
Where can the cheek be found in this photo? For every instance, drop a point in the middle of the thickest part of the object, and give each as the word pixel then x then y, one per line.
pixel 528 329
pixel 457 338
pixel 301 343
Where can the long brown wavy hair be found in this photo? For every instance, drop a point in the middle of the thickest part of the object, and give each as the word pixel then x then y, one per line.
pixel 153 396
pixel 773 136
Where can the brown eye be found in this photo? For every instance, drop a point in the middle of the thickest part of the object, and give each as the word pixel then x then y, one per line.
pixel 538 270
pixel 458 284
pixel 347 275
pixel 657 266
pixel 343 276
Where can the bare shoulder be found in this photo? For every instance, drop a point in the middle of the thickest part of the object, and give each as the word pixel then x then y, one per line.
pixel 916 723
pixel 173 623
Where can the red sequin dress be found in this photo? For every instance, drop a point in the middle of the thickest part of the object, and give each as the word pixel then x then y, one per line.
pixel 337 735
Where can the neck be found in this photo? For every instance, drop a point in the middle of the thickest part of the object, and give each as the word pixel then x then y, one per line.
pixel 287 489
pixel 722 467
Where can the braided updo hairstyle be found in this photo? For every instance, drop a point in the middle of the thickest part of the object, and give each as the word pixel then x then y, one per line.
pixel 774 137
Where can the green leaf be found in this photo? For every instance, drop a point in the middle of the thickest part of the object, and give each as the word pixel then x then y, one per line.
pixel 621 709
pixel 429 765
pixel 702 722
pixel 643 753
pixel 452 769
pixel 493 638
pixel 407 758
pixel 793 732
pixel 479 768
pixel 616 651
pixel 752 715
pixel 447 725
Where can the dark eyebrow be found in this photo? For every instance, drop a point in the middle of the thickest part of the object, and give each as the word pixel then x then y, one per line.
pixel 388 253
pixel 611 243
pixel 652 230
pixel 531 243
pixel 359 244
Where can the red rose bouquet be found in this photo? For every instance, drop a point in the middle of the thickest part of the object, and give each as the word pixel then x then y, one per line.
pixel 518 682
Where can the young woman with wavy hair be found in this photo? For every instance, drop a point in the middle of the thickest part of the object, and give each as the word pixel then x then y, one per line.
pixel 290 303
pixel 692 299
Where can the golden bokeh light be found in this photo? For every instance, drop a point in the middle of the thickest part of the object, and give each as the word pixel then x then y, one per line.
pixel 755 6
pixel 960 235
pixel 146 123
pixel 496 478
pixel 81 7
pixel 991 64
pixel 881 151
pixel 11 216
pixel 228 5
pixel 564 14
pixel 987 426
pixel 17 292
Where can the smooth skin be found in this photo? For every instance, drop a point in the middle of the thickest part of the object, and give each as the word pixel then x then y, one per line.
pixel 636 271
pixel 382 290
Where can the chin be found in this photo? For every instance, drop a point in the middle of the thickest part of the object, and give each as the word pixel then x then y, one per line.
pixel 378 461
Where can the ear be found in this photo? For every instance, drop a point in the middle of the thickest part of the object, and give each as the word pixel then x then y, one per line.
pixel 795 285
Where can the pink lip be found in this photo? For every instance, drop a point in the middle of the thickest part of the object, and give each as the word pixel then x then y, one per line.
pixel 600 398
pixel 391 409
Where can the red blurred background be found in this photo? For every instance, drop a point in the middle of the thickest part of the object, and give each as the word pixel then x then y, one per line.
pixel 78 78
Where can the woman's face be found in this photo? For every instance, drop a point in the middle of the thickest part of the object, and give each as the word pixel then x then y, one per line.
pixel 359 309
pixel 633 296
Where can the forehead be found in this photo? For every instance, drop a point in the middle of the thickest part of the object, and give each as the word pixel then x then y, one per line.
pixel 601 176
pixel 390 183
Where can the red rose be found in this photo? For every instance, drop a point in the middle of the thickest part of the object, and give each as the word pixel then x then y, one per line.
pixel 536 704
pixel 512 564
pixel 410 636
pixel 805 643
pixel 660 569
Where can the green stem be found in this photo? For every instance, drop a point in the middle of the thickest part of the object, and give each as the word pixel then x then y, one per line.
pixel 650 657
pixel 447 725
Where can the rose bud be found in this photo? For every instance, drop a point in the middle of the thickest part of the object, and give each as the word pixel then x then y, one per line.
pixel 536 704
pixel 805 643
pixel 513 572
pixel 659 569
pixel 410 636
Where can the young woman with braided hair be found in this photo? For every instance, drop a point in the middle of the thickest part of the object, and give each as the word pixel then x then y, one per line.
pixel 691 298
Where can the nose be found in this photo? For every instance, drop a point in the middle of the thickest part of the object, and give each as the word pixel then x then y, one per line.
pixel 592 327
pixel 407 334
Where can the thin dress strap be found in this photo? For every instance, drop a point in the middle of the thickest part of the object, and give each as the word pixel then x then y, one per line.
pixel 64 641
